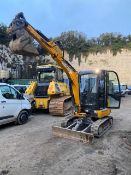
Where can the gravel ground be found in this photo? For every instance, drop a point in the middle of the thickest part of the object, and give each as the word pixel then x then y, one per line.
pixel 31 149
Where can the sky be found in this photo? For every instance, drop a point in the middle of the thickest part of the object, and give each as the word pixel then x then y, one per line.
pixel 52 17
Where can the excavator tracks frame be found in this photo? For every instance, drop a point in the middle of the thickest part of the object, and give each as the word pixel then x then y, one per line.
pixel 87 134
pixel 101 126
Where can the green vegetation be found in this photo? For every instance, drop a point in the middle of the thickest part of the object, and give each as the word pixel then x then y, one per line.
pixel 77 44
pixel 4 39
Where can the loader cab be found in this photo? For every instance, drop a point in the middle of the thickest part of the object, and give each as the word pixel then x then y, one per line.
pixel 97 90
pixel 47 73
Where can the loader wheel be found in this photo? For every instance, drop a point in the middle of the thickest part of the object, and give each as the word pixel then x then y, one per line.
pixel 22 117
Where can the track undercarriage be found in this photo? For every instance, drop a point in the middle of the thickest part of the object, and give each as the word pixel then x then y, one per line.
pixel 83 129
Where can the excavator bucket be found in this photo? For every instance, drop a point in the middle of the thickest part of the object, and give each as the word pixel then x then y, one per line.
pixel 23 46
pixel 68 133
pixel 22 42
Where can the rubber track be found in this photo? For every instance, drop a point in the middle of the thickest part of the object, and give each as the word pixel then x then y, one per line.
pixel 96 125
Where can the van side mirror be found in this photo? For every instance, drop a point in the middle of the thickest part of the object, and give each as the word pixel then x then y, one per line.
pixel 20 96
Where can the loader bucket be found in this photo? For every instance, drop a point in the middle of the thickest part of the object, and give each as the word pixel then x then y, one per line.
pixel 23 45
pixel 71 134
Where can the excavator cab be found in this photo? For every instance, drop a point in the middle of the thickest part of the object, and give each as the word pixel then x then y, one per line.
pixel 97 96
pixel 97 90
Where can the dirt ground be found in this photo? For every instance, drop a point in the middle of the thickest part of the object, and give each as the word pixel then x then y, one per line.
pixel 32 150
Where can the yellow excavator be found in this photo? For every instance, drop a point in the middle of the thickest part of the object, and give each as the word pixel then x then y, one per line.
pixel 92 92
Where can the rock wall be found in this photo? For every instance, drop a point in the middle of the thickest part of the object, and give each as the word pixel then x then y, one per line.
pixel 121 63
pixel 6 57
pixel 12 63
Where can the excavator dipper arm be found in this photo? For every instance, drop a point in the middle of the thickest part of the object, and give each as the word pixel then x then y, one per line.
pixel 17 30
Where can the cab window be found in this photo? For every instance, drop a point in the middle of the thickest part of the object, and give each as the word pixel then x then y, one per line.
pixel 60 75
pixel 113 90
pixel 8 92
pixel 88 83
pixel 14 93
pixel 46 76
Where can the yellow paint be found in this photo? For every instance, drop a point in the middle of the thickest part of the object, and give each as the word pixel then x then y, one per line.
pixel 56 88
pixel 42 103
pixel 100 113
pixel 79 115
pixel 30 90
pixel 103 113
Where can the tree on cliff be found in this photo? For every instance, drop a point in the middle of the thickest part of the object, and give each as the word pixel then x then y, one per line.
pixel 75 43
pixel 3 35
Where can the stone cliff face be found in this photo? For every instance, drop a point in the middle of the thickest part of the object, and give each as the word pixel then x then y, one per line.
pixel 121 63
pixel 6 57
pixel 17 64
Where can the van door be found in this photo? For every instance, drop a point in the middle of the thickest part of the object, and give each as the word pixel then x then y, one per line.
pixel 113 96
pixel 2 106
pixel 10 101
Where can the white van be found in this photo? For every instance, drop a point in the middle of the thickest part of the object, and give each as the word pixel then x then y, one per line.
pixel 13 106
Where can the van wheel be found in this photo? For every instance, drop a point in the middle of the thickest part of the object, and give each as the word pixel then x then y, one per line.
pixel 22 117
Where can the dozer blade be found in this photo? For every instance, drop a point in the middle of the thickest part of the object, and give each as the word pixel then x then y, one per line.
pixel 71 134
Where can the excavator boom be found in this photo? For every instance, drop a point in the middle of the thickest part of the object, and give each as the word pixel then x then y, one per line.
pixel 21 30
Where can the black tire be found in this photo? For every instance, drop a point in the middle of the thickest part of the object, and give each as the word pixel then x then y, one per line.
pixel 22 117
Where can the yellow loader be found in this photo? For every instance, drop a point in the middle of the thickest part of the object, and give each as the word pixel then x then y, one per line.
pixel 48 89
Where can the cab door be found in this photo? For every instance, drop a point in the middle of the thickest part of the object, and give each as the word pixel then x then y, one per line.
pixel 113 96
pixel 10 103
pixel 2 106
